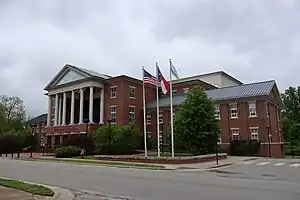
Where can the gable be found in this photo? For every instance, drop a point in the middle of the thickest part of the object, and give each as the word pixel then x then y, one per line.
pixel 68 77
pixel 274 94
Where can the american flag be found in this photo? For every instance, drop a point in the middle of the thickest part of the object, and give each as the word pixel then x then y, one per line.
pixel 149 78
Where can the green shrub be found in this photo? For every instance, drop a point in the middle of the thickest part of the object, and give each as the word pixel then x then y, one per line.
pixel 117 139
pixel 244 147
pixel 67 152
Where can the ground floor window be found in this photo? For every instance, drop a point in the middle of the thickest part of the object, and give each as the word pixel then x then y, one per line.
pixel 235 134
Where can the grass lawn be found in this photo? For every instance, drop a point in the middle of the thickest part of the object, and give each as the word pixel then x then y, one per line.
pixel 295 157
pixel 99 162
pixel 29 188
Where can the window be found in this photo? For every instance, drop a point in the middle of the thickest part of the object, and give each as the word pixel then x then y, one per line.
pixel 131 92
pixel 233 111
pixel 252 109
pixel 254 133
pixel 185 90
pixel 217 111
pixel 113 92
pixel 149 135
pixel 174 91
pixel 148 118
pixel 160 137
pixel 113 114
pixel 235 134
pixel 131 114
pixel 161 117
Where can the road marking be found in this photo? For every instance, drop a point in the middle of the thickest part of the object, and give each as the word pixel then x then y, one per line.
pixel 295 165
pixel 279 164
pixel 263 163
pixel 249 162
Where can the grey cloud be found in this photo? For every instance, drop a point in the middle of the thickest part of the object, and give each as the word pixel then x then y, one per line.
pixel 253 40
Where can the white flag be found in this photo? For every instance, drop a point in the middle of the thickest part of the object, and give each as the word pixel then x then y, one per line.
pixel 173 70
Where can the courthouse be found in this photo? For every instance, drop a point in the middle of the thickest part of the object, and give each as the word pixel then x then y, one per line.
pixel 80 100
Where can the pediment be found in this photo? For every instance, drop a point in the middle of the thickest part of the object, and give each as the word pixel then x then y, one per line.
pixel 70 76
pixel 67 74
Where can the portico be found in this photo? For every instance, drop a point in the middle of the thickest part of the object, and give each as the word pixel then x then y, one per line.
pixel 74 95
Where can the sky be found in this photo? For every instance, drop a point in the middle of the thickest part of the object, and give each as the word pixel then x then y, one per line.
pixel 253 40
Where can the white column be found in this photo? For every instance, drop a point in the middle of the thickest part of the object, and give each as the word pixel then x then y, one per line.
pixel 56 110
pixel 102 106
pixel 72 107
pixel 91 105
pixel 49 111
pixel 59 110
pixel 81 106
pixel 64 109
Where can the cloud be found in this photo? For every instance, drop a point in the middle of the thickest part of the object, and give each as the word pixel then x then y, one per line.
pixel 252 40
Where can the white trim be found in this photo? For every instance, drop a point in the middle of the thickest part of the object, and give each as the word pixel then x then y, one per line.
pixel 252 109
pixel 110 95
pixel 251 134
pixel 130 106
pixel 161 117
pixel 235 134
pixel 132 88
pixel 77 86
pixel 217 112
pixel 232 109
pixel 113 106
pixel 148 115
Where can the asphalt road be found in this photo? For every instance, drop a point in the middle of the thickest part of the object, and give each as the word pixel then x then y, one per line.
pixel 244 181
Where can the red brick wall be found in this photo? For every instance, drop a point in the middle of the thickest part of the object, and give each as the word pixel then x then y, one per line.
pixel 243 122
pixel 118 101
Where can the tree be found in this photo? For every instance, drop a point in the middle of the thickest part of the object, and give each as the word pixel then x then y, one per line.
pixel 195 127
pixel 291 101
pixel 12 113
pixel 117 139
pixel 294 136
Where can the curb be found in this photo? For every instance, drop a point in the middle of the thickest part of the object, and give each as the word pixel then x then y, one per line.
pixel 59 193
pixel 97 164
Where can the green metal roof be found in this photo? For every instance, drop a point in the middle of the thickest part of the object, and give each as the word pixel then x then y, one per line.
pixel 225 93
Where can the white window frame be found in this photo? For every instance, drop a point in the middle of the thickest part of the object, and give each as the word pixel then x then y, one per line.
pixel 161 137
pixel 113 113
pixel 233 107
pixel 132 114
pixel 131 92
pixel 254 135
pixel 185 90
pixel 252 109
pixel 148 118
pixel 217 112
pixel 113 94
pixel 161 117
pixel 235 132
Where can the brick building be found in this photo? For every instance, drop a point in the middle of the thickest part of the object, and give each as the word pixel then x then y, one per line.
pixel 77 96
pixel 37 126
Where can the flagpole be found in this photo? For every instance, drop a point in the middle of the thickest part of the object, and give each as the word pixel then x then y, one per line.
pixel 157 114
pixel 144 108
pixel 171 107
